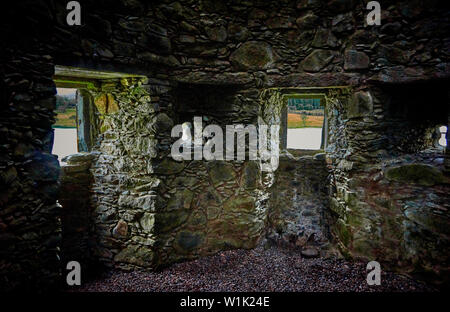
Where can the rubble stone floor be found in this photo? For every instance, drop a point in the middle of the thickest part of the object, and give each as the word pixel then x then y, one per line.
pixel 274 269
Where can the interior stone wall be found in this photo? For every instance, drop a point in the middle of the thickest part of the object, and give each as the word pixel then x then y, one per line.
pixel 124 198
pixel 109 194
pixel 377 188
pixel 255 45
pixel 76 209
pixel 389 202
pixel 209 205
pixel 30 224
pixel 299 215
pixel 147 209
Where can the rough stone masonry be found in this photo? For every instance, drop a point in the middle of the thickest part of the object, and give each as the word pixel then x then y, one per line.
pixel 379 190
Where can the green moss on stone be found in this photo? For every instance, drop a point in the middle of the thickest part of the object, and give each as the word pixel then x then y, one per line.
pixel 221 171
pixel 253 55
pixel 421 174
pixel 137 255
pixel 240 204
pixel 165 222
pixel 147 221
pixel 180 200
pixel 188 241
pixel 343 232
pixel 168 166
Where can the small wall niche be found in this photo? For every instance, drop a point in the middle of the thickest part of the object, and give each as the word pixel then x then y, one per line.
pixel 418 113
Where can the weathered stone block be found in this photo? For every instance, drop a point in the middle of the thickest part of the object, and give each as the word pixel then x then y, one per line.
pixel 180 200
pixel 317 60
pixel 121 229
pixel 136 255
pixel 162 123
pixel 239 204
pixel 221 171
pixel 167 221
pixel 253 55
pixel 251 175
pixel 324 38
pixel 360 105
pixel 354 59
pixel 146 202
pixel 147 221
pixel 8 175
pixel 155 43
pixel 44 167
pixel 339 6
pixel 238 32
pixel 188 241
pixel 168 166
pixel 395 55
pixel 421 174
pixel 216 33
pixel 307 21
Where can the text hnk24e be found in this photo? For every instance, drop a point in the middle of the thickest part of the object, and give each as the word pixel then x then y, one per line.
pixel 227 301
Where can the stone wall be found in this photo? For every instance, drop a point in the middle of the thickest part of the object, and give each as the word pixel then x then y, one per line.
pixel 374 205
pixel 253 46
pixel 299 215
pixel 210 206
pixel 147 209
pixel 213 205
pixel 380 189
pixel 75 192
pixel 124 195
pixel 30 225
pixel 151 210
pixel 299 212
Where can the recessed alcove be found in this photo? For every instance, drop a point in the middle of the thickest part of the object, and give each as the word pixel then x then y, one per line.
pixel 415 112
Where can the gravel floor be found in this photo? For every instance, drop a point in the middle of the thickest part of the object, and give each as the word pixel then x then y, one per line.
pixel 254 270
